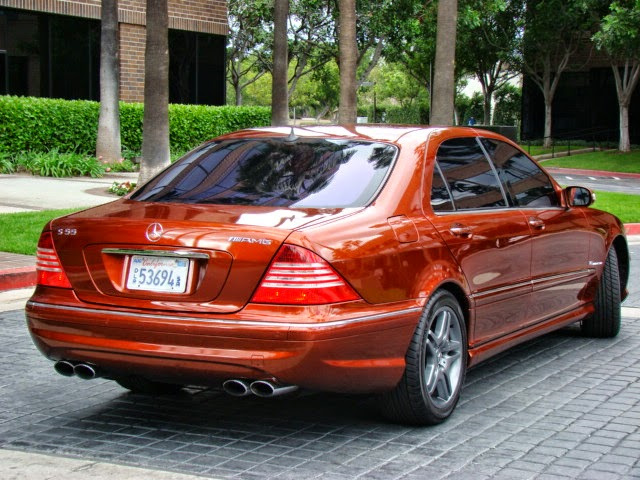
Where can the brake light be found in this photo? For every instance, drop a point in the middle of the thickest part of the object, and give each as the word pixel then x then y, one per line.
pixel 48 267
pixel 298 276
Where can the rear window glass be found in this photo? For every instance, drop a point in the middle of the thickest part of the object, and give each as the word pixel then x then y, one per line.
pixel 312 173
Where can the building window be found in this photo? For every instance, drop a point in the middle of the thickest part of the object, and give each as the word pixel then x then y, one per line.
pixel 196 68
pixel 49 55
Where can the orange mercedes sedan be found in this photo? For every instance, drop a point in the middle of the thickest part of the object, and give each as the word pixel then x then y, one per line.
pixel 360 259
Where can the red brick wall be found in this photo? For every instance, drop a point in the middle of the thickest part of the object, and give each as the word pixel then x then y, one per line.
pixel 132 38
pixel 205 16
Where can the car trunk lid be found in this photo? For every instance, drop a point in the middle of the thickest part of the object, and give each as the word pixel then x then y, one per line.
pixel 192 258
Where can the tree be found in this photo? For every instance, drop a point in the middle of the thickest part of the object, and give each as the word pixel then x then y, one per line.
pixel 487 42
pixel 412 42
pixel 249 45
pixel 442 102
pixel 554 30
pixel 155 123
pixel 311 38
pixel 279 90
pixel 108 146
pixel 508 105
pixel 619 37
pixel 347 110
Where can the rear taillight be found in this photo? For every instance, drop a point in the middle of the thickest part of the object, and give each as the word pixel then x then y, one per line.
pixel 298 276
pixel 50 272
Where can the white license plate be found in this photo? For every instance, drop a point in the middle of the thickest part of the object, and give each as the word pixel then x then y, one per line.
pixel 158 274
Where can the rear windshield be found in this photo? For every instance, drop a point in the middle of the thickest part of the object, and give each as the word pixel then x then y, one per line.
pixel 310 173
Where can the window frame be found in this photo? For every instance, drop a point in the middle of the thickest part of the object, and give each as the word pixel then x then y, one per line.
pixel 507 194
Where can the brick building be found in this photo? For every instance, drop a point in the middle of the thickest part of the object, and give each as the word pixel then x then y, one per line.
pixel 51 48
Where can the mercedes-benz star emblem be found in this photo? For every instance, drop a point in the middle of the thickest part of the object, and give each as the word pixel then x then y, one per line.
pixel 154 232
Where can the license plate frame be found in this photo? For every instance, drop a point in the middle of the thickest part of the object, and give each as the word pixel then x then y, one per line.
pixel 158 274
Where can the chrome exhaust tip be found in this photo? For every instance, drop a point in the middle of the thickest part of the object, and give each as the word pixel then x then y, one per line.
pixel 65 367
pixel 86 371
pixel 265 389
pixel 237 387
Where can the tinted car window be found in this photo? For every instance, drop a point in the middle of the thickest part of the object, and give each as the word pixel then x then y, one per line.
pixel 440 196
pixel 317 173
pixel 471 179
pixel 524 181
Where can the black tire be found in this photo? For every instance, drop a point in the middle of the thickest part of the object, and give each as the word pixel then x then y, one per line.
pixel 145 386
pixel 436 364
pixel 605 321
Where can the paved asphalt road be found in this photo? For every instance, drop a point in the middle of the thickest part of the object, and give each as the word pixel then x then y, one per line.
pixel 559 407
pixel 607 183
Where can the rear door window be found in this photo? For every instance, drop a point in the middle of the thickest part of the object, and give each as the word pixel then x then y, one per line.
pixel 310 173
pixel 471 180
pixel 524 181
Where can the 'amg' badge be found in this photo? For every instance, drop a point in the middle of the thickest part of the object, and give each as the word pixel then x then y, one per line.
pixel 260 241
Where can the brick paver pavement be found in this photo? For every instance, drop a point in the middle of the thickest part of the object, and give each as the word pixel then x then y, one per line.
pixel 559 407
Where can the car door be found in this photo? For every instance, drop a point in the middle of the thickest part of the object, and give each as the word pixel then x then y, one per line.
pixel 489 240
pixel 560 236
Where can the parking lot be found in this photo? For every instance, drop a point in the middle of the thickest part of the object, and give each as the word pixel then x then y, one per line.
pixel 562 406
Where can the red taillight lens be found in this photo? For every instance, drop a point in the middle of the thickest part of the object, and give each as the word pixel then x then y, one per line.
pixel 298 276
pixel 50 272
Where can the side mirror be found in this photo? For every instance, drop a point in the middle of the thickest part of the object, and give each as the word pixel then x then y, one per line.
pixel 579 196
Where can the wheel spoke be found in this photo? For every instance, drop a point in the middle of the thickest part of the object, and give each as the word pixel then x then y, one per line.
pixel 432 373
pixel 442 326
pixel 444 386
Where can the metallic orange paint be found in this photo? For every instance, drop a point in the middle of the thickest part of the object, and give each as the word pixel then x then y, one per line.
pixel 517 273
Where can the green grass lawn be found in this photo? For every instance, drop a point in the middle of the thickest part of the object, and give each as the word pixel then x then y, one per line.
pixel 19 232
pixel 609 161
pixel 624 206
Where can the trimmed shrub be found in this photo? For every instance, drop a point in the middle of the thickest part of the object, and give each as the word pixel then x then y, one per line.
pixel 45 124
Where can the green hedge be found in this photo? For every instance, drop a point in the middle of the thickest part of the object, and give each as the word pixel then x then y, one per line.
pixel 44 124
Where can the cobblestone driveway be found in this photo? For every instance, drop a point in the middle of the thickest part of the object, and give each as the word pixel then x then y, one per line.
pixel 561 406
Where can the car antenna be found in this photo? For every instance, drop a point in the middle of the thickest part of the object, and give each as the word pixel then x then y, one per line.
pixel 292 137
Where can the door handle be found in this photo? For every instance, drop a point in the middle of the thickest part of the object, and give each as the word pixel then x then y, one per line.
pixel 536 223
pixel 460 230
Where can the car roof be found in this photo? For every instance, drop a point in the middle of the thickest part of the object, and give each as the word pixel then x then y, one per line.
pixel 386 133
pixel 398 134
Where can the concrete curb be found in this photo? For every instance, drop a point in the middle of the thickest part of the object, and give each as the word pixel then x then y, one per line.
pixel 597 173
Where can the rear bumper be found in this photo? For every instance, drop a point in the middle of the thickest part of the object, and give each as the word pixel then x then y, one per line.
pixel 350 348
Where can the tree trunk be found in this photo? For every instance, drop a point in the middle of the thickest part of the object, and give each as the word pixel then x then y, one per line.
pixel 625 86
pixel 486 107
pixel 279 94
pixel 155 127
pixel 108 147
pixel 238 90
pixel 444 77
pixel 547 122
pixel 625 142
pixel 348 109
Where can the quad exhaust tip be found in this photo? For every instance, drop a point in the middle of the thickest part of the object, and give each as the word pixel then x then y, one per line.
pixel 65 368
pixel 85 371
pixel 237 388
pixel 260 388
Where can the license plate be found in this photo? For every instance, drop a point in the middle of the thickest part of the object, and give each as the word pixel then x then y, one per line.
pixel 158 274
